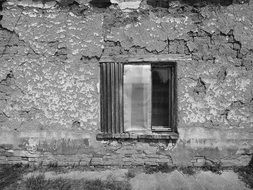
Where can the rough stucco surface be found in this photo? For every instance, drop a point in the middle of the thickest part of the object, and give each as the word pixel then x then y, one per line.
pixel 56 87
pixel 49 81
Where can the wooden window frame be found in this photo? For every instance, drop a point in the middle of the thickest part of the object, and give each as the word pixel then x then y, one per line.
pixel 111 97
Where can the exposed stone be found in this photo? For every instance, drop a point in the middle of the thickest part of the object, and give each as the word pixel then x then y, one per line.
pixel 3 117
pixel 6 146
pixel 200 88
pixel 221 76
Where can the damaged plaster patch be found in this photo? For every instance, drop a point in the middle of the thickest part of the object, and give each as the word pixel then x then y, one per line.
pixel 56 90
pixel 218 88
pixel 81 36
pixel 144 34
pixel 152 33
pixel 62 93
pixel 32 3
pixel 239 19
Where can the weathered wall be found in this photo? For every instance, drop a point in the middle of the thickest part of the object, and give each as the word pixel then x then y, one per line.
pixel 49 81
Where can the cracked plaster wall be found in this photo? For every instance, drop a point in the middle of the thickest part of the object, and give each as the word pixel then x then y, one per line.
pixel 49 98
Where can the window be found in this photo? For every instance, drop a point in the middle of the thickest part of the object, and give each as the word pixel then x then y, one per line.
pixel 138 100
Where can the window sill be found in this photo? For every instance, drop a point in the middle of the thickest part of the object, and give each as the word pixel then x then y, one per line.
pixel 139 137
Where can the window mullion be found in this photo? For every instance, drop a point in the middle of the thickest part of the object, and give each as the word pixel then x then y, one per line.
pixel 113 116
pixel 173 98
pixel 116 91
pixel 170 97
pixel 121 103
pixel 109 97
pixel 104 97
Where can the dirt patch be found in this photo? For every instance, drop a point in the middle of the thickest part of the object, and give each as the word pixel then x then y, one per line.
pixel 246 173
pixel 10 174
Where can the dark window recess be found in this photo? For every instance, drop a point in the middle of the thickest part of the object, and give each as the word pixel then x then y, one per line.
pixel 101 3
pixel 162 97
pixel 138 99
pixel 159 3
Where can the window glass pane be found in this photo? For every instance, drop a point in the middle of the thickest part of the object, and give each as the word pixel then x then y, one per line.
pixel 137 98
pixel 161 97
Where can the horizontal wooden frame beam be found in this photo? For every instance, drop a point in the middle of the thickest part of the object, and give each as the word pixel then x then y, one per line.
pixel 129 136
pixel 145 58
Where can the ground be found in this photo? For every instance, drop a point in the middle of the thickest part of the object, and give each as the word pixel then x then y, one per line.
pixel 161 177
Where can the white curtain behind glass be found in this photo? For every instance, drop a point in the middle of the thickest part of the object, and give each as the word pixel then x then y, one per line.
pixel 137 98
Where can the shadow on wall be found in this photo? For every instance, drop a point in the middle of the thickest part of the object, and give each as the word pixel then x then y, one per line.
pixel 1 7
pixel 101 3
pixel 251 162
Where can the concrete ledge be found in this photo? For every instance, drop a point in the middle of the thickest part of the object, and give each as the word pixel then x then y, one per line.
pixel 129 136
